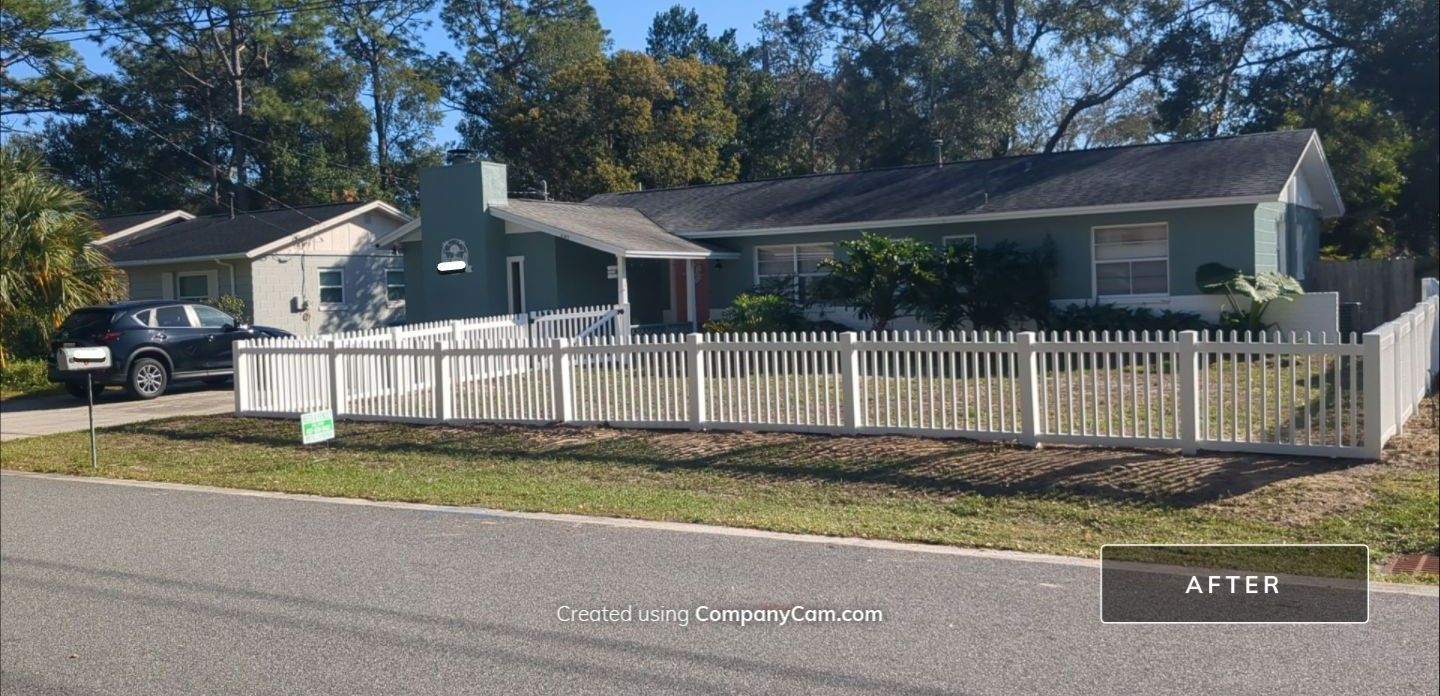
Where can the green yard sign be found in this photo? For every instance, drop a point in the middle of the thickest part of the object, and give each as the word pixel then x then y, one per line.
pixel 317 426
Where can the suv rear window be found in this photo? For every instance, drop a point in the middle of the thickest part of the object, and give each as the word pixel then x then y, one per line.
pixel 86 322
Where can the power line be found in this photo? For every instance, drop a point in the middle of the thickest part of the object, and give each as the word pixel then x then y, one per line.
pixel 211 165
pixel 341 165
pixel 98 33
pixel 330 3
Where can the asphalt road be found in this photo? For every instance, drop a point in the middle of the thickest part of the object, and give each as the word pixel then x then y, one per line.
pixel 58 413
pixel 120 589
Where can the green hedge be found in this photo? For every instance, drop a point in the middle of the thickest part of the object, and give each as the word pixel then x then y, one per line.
pixel 24 375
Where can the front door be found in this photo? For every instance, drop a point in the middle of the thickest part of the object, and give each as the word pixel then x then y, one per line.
pixel 515 283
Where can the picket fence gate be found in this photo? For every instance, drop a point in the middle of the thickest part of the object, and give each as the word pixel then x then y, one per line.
pixel 1267 393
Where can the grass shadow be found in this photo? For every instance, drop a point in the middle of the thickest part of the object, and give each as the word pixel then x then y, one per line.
pixel 907 465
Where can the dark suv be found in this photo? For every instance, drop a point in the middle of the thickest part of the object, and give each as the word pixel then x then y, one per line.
pixel 154 343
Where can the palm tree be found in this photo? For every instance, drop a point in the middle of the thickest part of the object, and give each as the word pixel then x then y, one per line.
pixel 47 268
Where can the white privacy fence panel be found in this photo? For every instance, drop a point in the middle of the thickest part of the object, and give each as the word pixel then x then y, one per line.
pixel 1266 393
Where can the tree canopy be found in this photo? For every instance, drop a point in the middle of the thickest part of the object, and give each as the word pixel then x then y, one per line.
pixel 270 103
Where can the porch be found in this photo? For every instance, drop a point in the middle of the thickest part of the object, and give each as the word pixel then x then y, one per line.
pixel 566 254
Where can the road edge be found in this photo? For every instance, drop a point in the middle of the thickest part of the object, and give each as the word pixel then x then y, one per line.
pixel 621 522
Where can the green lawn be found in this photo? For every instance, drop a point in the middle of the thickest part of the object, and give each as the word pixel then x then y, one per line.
pixel 1056 500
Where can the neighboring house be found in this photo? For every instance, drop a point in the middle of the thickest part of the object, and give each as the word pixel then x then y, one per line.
pixel 113 228
pixel 1130 226
pixel 307 270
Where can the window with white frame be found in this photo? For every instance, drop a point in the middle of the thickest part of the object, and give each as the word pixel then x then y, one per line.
pixel 798 261
pixel 395 285
pixel 332 286
pixel 193 287
pixel 958 239
pixel 1132 260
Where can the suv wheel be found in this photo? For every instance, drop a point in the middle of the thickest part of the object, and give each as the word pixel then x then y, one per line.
pixel 148 378
pixel 77 389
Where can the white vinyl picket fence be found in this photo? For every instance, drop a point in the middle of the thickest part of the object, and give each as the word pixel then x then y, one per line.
pixel 1280 394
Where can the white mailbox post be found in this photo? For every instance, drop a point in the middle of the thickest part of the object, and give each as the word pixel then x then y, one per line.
pixel 86 359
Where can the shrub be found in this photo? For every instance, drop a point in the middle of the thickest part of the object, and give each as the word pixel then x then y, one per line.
pixel 233 306
pixel 876 277
pixel 994 287
pixel 1249 296
pixel 1109 317
pixel 757 311
pixel 24 375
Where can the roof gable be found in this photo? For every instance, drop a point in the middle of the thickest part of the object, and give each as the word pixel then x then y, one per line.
pixel 116 226
pixel 250 233
pixel 617 230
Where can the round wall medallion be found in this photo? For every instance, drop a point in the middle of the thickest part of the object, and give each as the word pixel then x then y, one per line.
pixel 454 250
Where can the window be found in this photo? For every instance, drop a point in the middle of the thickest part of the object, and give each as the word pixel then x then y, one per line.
pixel 194 287
pixel 395 285
pixel 332 286
pixel 173 317
pixel 798 261
pixel 956 239
pixel 1132 260
pixel 212 318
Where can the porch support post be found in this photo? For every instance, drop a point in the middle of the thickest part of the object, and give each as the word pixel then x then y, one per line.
pixel 622 287
pixel 690 295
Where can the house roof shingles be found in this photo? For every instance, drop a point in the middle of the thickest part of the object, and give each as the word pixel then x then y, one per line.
pixel 220 235
pixel 618 227
pixel 1238 166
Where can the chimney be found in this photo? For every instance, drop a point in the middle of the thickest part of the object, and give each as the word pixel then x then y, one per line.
pixel 455 203
pixel 459 155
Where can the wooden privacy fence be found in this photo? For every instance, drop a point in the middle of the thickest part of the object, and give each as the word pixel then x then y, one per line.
pixel 1384 287
pixel 1268 393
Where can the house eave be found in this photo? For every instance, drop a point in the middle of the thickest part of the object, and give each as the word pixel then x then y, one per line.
pixel 988 217
pixel 148 224
pixel 601 245
pixel 179 259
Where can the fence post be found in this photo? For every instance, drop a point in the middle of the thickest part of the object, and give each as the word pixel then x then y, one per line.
pixel 1188 356
pixel 695 373
pixel 1374 393
pixel 560 362
pixel 1029 389
pixel 242 373
pixel 444 401
pixel 457 331
pixel 850 413
pixel 337 378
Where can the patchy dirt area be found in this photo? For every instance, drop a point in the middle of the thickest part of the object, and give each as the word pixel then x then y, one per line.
pixel 1307 499
pixel 1285 490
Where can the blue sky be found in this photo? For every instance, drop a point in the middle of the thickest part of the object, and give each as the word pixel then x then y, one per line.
pixel 626 20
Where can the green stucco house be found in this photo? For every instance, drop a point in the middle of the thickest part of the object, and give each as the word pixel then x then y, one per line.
pixel 1130 224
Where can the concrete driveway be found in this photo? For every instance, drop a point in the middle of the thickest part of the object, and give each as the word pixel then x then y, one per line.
pixel 43 415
